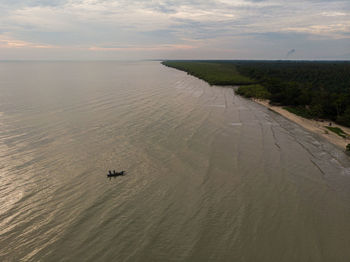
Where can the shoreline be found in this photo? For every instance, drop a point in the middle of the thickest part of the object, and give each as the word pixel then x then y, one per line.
pixel 314 126
pixel 317 127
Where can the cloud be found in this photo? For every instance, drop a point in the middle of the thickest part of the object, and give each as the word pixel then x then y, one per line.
pixel 204 25
pixel 8 42
pixel 142 48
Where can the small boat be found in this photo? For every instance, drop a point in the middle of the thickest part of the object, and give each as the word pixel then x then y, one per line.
pixel 114 174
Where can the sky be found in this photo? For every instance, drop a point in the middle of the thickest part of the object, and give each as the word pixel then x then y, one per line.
pixel 174 29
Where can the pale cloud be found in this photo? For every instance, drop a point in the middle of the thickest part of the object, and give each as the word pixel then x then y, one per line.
pixel 179 28
pixel 331 31
pixel 334 14
pixel 144 48
pixel 8 42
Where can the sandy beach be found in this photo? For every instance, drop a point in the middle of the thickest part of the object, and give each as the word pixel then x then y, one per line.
pixel 317 127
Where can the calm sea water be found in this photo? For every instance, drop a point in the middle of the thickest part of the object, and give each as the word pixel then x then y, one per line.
pixel 210 176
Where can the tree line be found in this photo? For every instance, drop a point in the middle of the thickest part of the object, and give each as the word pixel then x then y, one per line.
pixel 314 89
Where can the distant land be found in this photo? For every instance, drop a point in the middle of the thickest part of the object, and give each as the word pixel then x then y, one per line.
pixel 316 90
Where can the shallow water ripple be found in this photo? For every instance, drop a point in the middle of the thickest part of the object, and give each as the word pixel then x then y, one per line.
pixel 210 176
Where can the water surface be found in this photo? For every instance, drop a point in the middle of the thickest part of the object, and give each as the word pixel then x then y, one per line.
pixel 210 176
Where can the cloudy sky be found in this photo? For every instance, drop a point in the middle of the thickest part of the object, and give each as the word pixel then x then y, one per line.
pixel 174 29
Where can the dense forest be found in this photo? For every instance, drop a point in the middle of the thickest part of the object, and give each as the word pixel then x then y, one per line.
pixel 214 73
pixel 312 89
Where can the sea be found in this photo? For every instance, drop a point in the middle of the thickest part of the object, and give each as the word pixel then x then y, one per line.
pixel 210 176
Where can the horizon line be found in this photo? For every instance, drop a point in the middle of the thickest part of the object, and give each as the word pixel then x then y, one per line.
pixel 166 59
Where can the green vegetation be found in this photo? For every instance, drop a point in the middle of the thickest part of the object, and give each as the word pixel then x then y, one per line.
pixel 312 89
pixel 211 72
pixel 300 111
pixel 308 88
pixel 256 91
pixel 337 130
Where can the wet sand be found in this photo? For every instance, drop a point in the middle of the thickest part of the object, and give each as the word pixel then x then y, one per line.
pixel 317 127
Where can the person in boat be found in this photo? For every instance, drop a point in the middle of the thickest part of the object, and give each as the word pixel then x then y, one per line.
pixel 114 173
